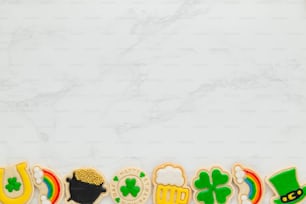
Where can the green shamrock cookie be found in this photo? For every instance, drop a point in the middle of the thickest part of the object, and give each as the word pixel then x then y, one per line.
pixel 130 186
pixel 212 186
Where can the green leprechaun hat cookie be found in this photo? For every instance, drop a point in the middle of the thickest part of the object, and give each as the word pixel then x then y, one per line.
pixel 286 187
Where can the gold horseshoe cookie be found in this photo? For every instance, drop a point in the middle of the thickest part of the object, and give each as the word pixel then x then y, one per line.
pixel 17 186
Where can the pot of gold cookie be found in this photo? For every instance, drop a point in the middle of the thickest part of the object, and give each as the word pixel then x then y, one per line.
pixel 85 186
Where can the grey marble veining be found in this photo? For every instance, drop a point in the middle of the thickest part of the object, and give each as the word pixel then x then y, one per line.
pixel 120 83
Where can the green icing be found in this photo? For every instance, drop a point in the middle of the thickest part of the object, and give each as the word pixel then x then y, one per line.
pixel 212 188
pixel 130 188
pixel 116 178
pixel 13 184
pixel 141 175
pixel 286 185
pixel 117 200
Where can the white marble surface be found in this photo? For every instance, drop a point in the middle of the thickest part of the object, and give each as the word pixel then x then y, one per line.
pixel 109 83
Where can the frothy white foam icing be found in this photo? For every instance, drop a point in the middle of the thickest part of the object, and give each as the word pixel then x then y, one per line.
pixel 170 176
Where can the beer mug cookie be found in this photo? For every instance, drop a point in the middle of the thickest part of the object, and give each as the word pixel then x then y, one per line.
pixel 250 185
pixel 50 186
pixel 130 186
pixel 170 185
pixel 85 186
pixel 16 186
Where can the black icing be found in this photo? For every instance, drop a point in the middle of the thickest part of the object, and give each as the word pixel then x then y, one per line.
pixel 84 193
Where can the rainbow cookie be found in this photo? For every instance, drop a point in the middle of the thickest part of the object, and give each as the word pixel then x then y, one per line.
pixel 251 188
pixel 212 186
pixel 49 185
pixel 130 186
pixel 85 186
pixel 286 187
pixel 170 185
pixel 16 186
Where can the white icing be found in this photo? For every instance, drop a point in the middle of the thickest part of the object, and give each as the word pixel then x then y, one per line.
pixel 245 200
pixel 239 174
pixel 38 175
pixel 170 176
pixel 44 200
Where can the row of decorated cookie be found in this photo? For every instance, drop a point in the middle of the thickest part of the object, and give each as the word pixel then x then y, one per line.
pixel 133 186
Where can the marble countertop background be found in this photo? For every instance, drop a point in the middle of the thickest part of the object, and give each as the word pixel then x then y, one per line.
pixel 111 84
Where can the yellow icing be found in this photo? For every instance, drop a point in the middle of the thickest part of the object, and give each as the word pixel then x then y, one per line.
pixel 168 194
pixel 27 186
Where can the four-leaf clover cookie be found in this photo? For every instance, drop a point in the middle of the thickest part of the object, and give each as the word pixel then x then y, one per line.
pixel 212 186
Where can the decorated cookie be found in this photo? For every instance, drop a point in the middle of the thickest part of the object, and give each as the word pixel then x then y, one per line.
pixel 130 186
pixel 212 186
pixel 251 188
pixel 286 187
pixel 85 186
pixel 50 186
pixel 16 186
pixel 170 185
